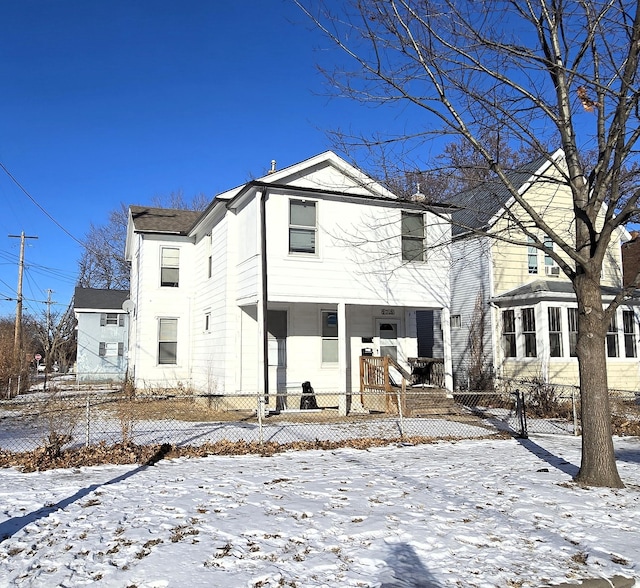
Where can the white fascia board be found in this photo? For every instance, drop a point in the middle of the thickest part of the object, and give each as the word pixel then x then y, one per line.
pixel 276 177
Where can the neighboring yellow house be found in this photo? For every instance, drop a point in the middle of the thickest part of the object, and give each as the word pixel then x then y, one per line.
pixel 513 311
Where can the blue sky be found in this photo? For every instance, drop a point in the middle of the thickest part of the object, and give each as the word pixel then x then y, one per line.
pixel 115 101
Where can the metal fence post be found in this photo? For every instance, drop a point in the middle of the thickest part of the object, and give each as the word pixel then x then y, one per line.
pixel 260 409
pixel 87 423
pixel 520 414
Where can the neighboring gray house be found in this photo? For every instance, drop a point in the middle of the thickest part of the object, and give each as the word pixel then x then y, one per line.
pixel 103 334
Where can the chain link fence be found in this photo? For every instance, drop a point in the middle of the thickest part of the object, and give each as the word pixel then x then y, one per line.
pixel 72 415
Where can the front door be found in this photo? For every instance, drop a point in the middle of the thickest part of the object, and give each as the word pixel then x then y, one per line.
pixel 277 330
pixel 387 337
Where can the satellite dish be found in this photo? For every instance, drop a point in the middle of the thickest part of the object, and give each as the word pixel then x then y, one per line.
pixel 127 305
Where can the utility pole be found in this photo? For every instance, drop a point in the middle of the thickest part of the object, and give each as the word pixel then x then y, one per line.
pixel 17 342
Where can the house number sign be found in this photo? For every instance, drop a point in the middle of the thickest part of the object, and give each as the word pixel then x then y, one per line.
pixel 388 311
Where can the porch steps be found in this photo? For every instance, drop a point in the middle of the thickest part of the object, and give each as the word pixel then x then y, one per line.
pixel 429 401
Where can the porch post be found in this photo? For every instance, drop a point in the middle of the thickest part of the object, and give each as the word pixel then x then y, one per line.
pixel 343 400
pixel 445 323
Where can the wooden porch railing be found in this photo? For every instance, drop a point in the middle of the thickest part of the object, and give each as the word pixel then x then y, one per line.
pixel 380 391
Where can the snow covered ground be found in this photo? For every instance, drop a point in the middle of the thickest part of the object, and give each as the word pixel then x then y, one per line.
pixel 473 513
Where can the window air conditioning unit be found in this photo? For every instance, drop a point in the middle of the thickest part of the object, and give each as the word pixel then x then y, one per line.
pixel 552 270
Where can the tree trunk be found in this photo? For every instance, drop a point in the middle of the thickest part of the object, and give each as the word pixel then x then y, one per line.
pixel 598 465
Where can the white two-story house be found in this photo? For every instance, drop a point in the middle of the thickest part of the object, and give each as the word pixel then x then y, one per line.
pixel 286 279
pixel 513 311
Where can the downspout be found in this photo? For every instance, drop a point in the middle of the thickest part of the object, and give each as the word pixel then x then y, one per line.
pixel 265 302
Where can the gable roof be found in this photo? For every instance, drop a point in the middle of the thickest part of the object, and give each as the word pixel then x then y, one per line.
pixel 147 219
pixel 479 206
pixel 99 299
pixel 356 181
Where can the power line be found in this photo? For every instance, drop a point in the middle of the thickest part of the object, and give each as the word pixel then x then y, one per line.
pixel 15 181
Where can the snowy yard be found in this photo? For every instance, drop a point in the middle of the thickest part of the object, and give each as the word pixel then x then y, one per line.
pixel 474 513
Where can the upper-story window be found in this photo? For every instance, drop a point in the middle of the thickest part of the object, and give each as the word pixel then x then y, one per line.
pixel 170 266
pixel 532 257
pixel 302 226
pixel 550 266
pixel 413 236
pixel 111 318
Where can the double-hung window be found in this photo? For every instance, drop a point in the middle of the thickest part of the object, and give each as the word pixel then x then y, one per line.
pixel 555 332
pixel 629 326
pixel 529 332
pixel 509 333
pixel 167 341
pixel 302 226
pixel 111 318
pixel 572 314
pixel 413 236
pixel 329 336
pixel 532 257
pixel 110 349
pixel 170 266
pixel 550 266
pixel 612 337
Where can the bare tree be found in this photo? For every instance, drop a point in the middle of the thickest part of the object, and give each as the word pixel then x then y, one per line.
pixel 545 72
pixel 102 264
pixel 54 335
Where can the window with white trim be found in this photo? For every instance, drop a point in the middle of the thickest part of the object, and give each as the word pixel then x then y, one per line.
pixel 612 337
pixel 329 336
pixel 529 332
pixel 111 318
pixel 110 349
pixel 169 266
pixel 509 333
pixel 551 268
pixel 302 226
pixel 413 248
pixel 555 331
pixel 532 257
pixel 629 328
pixel 167 341
pixel 456 321
pixel 572 315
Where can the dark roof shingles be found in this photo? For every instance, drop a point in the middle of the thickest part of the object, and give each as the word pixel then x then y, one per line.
pixel 163 220
pixel 99 298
